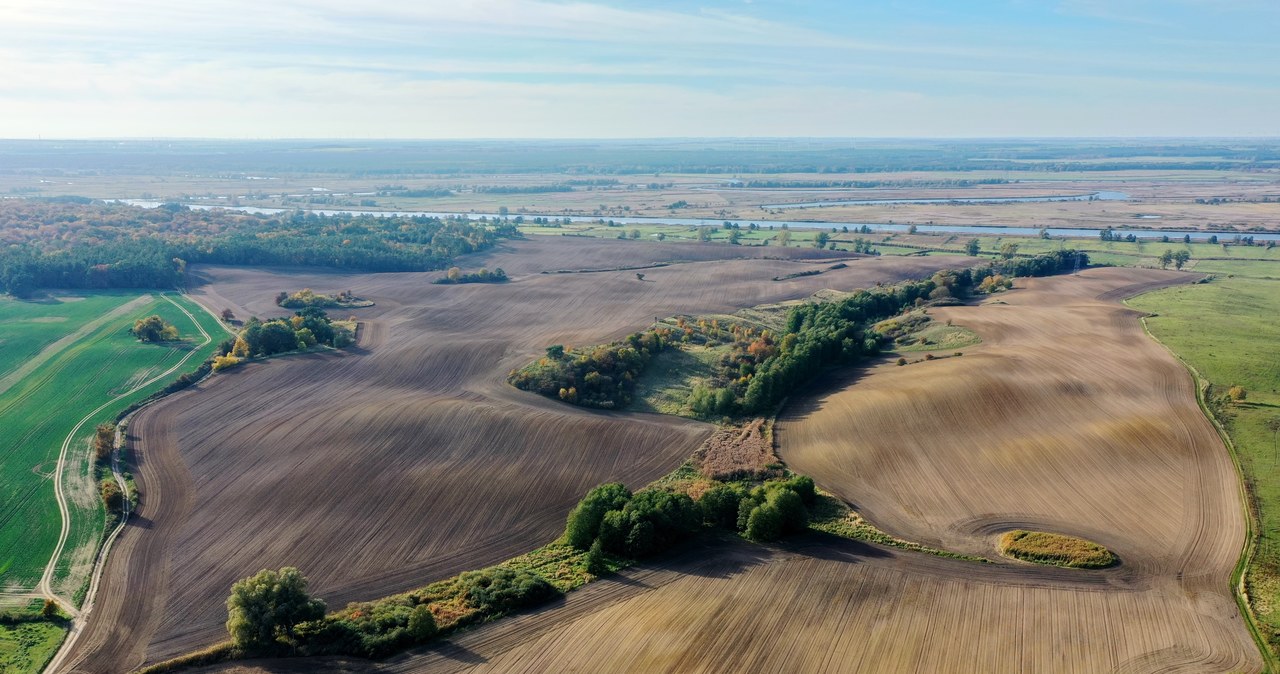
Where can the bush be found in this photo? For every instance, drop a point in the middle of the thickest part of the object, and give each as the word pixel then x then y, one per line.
pixel 499 590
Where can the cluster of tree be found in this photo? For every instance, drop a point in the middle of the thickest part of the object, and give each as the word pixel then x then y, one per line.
pixel 456 276
pixel 104 440
pixel 1109 234
pixel 867 184
pixel 523 189
pixel 112 496
pixel 153 328
pixel 415 194
pixel 1046 264
pixel 73 245
pixel 305 329
pixel 1178 259
pixel 272 613
pixel 612 520
pixel 309 298
pixel 601 376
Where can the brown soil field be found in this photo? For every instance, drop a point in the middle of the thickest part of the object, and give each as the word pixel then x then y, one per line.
pixel 407 458
pixel 1067 418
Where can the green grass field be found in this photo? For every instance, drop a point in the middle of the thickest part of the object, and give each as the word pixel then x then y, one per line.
pixel 63 358
pixel 26 647
pixel 1229 330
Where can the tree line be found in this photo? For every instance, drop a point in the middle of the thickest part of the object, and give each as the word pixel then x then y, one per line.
pixel 762 368
pixel 99 245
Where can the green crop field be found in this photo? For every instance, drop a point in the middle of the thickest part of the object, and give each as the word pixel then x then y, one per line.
pixel 68 363
pixel 1228 330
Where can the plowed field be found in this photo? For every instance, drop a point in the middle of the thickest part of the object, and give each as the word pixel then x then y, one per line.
pixel 1067 418
pixel 407 458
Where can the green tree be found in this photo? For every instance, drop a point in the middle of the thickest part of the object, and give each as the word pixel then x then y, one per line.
pixel 704 234
pixel 635 233
pixel 820 240
pixel 1180 258
pixel 265 607
pixel 583 525
pixel 595 561
pixel 1166 259
pixel 422 623
pixel 972 247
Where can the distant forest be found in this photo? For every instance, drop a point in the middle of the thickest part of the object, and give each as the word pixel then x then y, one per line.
pixel 73 243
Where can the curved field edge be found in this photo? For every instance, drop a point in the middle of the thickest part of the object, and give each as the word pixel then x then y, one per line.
pixel 566 568
pixel 1042 547
pixel 1249 499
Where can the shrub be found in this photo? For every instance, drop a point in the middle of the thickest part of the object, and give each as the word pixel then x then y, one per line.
pixel 221 363
pixel 422 624
pixel 499 590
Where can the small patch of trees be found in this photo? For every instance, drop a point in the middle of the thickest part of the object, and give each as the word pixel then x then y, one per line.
pixel 153 328
pixel 104 440
pixel 610 519
pixel 309 298
pixel 601 376
pixel 456 276
pixel 112 496
pixel 264 610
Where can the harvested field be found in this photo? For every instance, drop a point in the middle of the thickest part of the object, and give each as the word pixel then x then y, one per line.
pixel 1066 418
pixel 407 458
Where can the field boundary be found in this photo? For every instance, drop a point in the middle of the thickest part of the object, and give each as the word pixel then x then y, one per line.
pixel 78 616
pixel 1238 590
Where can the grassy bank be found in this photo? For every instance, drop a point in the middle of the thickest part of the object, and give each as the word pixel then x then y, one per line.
pixel 1228 331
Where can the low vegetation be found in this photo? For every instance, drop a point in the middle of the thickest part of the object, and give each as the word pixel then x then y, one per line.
pixel 1055 549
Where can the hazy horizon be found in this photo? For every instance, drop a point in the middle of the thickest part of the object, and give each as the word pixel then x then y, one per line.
pixel 621 69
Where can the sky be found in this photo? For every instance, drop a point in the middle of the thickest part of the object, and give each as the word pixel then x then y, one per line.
pixel 637 69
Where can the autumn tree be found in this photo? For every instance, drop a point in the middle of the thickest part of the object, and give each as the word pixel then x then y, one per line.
pixel 1237 394
pixel 154 329
pixel 104 440
pixel 265 608
pixel 1008 250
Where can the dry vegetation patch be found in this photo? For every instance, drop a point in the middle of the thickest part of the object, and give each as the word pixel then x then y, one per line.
pixel 1043 547
pixel 740 453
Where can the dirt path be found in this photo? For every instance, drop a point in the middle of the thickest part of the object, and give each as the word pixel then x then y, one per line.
pixel 78 616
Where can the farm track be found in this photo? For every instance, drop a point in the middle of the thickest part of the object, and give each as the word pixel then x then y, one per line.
pixel 1065 418
pixel 406 458
pixel 79 616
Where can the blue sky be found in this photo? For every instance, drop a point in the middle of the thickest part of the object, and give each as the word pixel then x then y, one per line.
pixel 535 69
